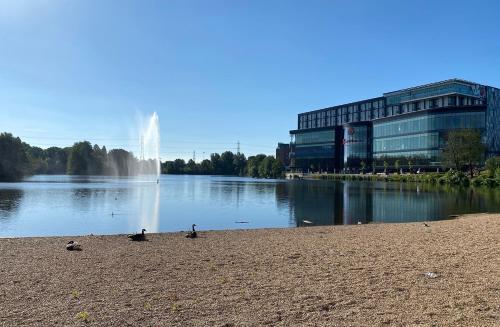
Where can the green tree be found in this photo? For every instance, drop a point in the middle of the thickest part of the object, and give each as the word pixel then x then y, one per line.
pixel 386 165
pixel 215 161
pixel 397 165
pixel 464 147
pixel 239 163
pixel 205 167
pixel 121 162
pixel 410 165
pixel 363 167
pixel 57 160
pixel 14 162
pixel 191 167
pixel 491 165
pixel 226 163
pixel 80 158
pixel 37 161
pixel 253 164
pixel 265 167
pixel 277 168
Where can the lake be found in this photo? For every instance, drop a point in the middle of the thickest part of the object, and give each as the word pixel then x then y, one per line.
pixel 81 205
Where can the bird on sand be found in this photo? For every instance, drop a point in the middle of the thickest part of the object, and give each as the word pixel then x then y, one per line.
pixel 426 225
pixel 138 237
pixel 73 246
pixel 192 234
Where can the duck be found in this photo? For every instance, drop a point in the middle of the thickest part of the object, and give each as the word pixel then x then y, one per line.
pixel 138 237
pixel 73 246
pixel 192 234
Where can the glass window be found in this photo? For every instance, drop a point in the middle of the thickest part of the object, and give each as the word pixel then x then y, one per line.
pixel 425 123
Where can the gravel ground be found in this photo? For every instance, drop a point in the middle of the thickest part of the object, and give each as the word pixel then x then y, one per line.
pixel 364 275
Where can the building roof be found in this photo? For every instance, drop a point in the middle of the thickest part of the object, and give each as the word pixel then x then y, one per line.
pixel 457 80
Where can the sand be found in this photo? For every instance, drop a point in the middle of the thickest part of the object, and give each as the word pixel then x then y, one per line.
pixel 363 275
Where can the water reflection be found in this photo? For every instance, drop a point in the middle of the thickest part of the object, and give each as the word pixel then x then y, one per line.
pixel 65 205
pixel 149 208
pixel 352 202
pixel 10 200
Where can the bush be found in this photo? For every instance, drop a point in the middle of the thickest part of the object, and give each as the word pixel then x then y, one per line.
pixel 490 182
pixel 492 165
pixel 453 177
pixel 478 181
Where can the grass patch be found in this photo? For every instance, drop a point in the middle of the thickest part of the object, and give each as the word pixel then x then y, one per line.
pixel 83 316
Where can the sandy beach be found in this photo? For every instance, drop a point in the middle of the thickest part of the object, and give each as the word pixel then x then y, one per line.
pixel 363 275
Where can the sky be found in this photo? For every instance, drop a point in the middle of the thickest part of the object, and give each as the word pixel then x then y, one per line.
pixel 218 72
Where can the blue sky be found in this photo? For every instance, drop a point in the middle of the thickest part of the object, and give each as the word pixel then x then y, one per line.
pixel 222 71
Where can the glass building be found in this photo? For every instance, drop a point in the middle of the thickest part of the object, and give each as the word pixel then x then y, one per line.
pixel 410 125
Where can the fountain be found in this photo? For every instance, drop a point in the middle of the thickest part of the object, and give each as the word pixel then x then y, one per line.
pixel 149 167
pixel 150 147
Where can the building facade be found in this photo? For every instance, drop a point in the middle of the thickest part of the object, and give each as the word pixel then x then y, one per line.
pixel 410 125
pixel 283 154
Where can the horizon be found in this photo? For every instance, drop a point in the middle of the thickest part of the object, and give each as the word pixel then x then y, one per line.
pixel 224 72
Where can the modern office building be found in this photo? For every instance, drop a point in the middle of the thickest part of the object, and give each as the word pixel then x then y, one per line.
pixel 283 154
pixel 409 124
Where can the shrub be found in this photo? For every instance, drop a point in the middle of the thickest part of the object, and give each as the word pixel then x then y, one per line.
pixel 492 165
pixel 478 181
pixel 453 177
pixel 83 316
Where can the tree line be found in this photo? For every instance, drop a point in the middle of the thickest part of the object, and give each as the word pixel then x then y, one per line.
pixel 228 163
pixel 19 159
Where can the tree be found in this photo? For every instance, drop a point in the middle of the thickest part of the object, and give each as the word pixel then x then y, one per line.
pixel 363 167
pixel 277 168
pixel 253 164
pixel 121 162
pixel 397 165
pixel 205 167
pixel 226 163
pixel 239 163
pixel 410 165
pixel 464 147
pixel 14 162
pixel 386 165
pixel 79 158
pixel 57 160
pixel 215 161
pixel 191 167
pixel 265 167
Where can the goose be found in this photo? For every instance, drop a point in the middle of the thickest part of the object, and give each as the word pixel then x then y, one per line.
pixel 138 237
pixel 73 246
pixel 192 234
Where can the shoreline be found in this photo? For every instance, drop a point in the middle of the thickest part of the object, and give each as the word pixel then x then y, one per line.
pixel 450 217
pixel 344 275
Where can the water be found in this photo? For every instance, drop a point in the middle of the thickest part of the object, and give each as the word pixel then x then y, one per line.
pixel 65 205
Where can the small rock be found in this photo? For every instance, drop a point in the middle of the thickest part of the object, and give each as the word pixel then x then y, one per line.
pixel 431 275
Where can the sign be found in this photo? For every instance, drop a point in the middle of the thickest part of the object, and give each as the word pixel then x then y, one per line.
pixel 478 90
